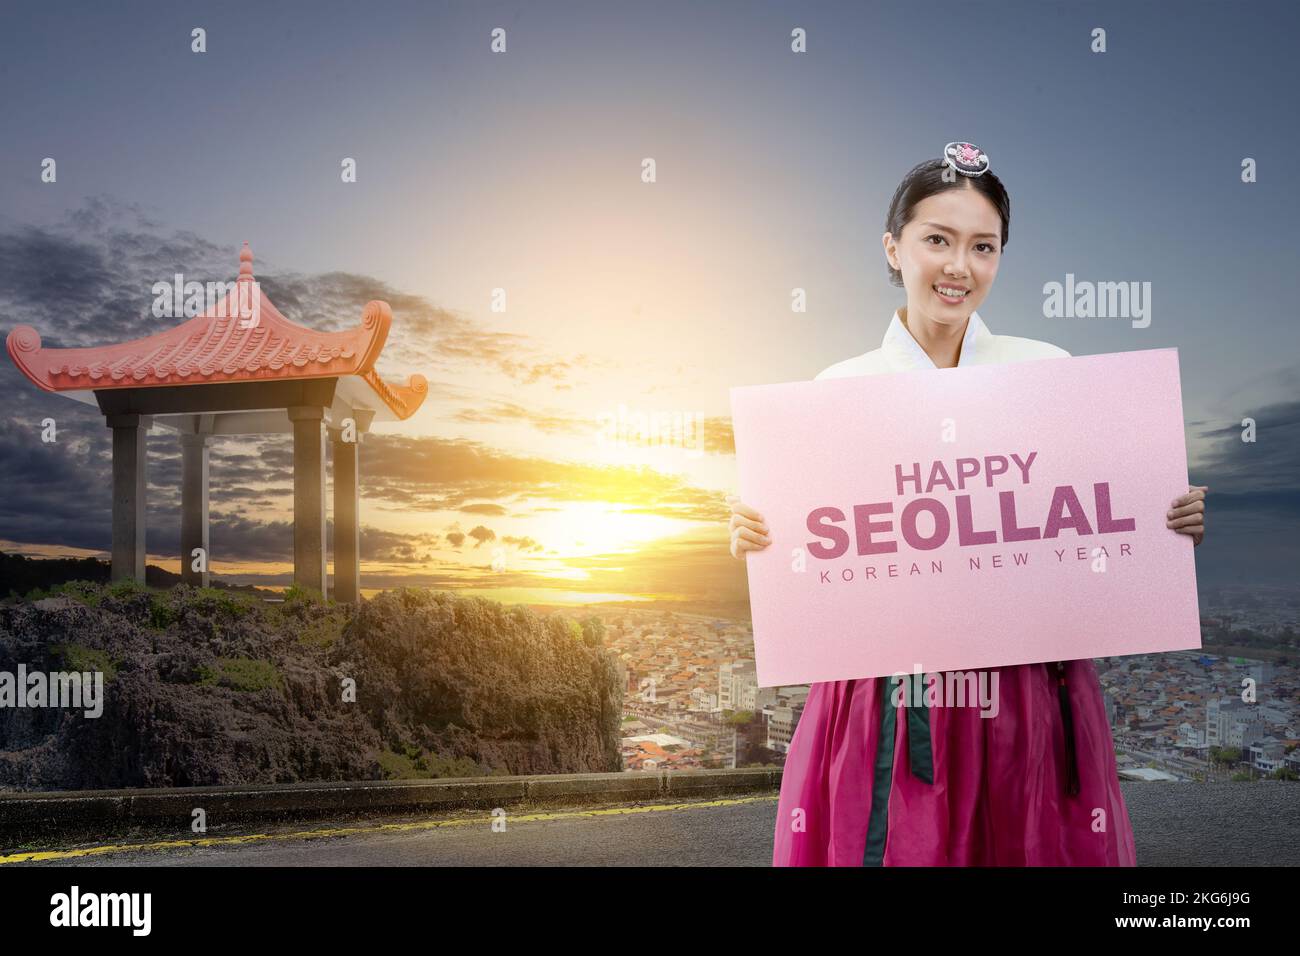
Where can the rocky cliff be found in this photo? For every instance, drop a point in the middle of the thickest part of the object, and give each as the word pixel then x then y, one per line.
pixel 207 687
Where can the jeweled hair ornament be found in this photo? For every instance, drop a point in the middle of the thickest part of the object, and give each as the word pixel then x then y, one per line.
pixel 966 158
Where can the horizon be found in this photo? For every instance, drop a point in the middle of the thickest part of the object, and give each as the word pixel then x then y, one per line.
pixel 619 295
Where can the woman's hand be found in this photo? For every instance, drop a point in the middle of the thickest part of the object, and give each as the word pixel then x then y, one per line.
pixel 1187 513
pixel 748 532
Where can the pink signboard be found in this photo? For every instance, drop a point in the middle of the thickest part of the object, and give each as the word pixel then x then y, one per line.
pixel 953 519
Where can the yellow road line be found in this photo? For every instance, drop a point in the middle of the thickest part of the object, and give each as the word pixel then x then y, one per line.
pixel 353 831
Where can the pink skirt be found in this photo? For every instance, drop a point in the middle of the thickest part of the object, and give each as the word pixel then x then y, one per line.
pixel 952 787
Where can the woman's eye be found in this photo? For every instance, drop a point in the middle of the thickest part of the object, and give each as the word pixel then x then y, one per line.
pixel 985 246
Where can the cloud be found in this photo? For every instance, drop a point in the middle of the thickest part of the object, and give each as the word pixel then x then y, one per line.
pixel 1252 519
pixel 433 474
pixel 523 544
pixel 500 412
pixel 483 509
pixel 716 438
pixel 100 267
pixel 392 547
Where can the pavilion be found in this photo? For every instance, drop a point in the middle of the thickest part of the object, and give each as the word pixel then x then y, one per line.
pixel 239 368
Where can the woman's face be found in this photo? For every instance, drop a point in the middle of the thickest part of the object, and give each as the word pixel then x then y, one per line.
pixel 953 241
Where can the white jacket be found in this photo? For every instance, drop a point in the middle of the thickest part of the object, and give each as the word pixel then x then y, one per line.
pixel 899 352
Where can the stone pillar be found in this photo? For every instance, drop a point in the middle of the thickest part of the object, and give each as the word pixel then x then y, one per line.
pixel 129 488
pixel 194 508
pixel 347 516
pixel 308 496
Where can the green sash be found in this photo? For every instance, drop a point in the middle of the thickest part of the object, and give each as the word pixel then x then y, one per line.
pixel 919 755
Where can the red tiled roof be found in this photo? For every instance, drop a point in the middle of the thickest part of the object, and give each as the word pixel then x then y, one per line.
pixel 219 346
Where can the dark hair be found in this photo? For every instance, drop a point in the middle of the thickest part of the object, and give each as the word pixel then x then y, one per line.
pixel 926 179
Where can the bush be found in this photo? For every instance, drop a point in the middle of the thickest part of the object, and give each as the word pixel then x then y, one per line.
pixel 232 605
pixel 296 595
pixel 79 657
pixel 416 764
pixel 242 674
pixel 323 633
pixel 162 614
pixel 83 592
pixel 126 588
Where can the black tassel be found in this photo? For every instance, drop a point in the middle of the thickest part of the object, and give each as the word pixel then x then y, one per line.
pixel 1067 719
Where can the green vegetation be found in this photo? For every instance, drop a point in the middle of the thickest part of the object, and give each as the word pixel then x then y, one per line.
pixel 126 588
pixel 296 595
pixel 82 592
pixel 232 604
pixel 451 687
pixel 323 633
pixel 78 657
pixel 593 630
pixel 415 763
pixel 241 673
pixel 162 613
pixel 1225 755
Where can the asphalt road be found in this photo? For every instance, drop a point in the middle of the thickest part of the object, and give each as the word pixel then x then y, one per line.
pixel 1174 825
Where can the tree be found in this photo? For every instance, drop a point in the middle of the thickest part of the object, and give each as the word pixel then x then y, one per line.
pixel 593 631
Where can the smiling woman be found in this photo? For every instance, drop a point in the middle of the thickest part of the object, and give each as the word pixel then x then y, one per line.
pixel 865 783
pixel 943 243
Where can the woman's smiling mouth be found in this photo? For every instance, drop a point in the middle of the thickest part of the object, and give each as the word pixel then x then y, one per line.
pixel 951 293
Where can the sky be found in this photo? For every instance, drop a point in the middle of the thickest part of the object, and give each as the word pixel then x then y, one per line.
pixel 522 171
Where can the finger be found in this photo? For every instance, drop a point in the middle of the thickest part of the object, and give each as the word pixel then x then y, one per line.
pixel 1197 495
pixel 737 521
pixel 1195 532
pixel 1189 521
pixel 748 534
pixel 739 546
pixel 740 508
pixel 1196 507
pixel 740 522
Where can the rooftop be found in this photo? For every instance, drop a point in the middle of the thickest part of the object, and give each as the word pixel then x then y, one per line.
pixel 242 337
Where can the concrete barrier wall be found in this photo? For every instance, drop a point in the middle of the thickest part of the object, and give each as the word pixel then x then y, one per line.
pixel 41 817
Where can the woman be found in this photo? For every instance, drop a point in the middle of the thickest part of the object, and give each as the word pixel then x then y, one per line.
pixel 1036 784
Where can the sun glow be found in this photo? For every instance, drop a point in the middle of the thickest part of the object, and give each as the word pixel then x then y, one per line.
pixel 586 528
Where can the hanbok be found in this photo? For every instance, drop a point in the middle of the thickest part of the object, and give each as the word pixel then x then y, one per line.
pixel 869 783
